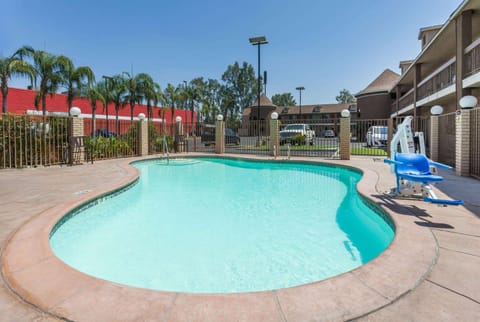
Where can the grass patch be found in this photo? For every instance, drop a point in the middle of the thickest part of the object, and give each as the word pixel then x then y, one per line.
pixel 292 147
pixel 367 151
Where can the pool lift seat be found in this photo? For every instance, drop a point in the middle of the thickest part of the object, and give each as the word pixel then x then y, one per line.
pixel 414 176
pixel 413 170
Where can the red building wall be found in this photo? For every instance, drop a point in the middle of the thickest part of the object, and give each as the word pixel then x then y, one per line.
pixel 19 101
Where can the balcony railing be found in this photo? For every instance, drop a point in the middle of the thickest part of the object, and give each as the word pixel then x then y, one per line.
pixel 405 100
pixel 437 82
pixel 472 59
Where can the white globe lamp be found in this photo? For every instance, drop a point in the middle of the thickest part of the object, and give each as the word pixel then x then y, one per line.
pixel 178 119
pixel 345 113
pixel 274 116
pixel 75 111
pixel 219 117
pixel 468 101
pixel 141 116
pixel 436 110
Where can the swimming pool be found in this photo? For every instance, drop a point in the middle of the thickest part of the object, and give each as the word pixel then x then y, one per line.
pixel 211 225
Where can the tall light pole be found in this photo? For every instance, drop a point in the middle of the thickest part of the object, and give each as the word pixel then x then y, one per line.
pixel 300 89
pixel 258 41
pixel 185 107
pixel 107 90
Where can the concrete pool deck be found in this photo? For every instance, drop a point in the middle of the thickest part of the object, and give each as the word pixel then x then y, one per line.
pixel 430 272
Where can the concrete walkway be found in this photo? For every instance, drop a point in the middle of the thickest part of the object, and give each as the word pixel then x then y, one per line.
pixel 450 292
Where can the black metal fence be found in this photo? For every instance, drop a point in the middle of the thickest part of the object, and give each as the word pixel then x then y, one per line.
pixel 369 137
pixel 255 140
pixel 447 137
pixel 475 142
pixel 30 141
pixel 110 139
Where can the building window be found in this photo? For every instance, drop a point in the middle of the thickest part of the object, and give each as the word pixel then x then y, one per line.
pixel 316 109
pixel 285 110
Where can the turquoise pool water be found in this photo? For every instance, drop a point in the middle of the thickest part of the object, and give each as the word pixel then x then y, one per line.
pixel 209 225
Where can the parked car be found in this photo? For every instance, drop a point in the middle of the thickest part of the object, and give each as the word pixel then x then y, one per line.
pixel 104 133
pixel 231 137
pixel 377 136
pixel 208 136
pixel 329 134
pixel 293 132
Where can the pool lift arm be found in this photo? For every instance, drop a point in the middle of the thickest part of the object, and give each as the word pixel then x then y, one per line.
pixel 413 170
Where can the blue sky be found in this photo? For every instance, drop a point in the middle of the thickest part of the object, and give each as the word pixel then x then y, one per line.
pixel 324 46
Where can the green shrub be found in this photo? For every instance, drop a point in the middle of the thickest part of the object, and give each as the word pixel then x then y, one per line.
pixel 298 139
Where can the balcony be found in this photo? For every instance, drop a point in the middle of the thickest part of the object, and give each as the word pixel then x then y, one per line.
pixel 437 81
pixel 472 58
pixel 405 100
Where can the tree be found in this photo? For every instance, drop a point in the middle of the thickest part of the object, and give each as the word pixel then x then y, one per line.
pixel 227 105
pixel 211 97
pixel 151 93
pixel 345 97
pixel 285 99
pixel 171 98
pixel 242 86
pixel 117 91
pixel 49 69
pixel 134 89
pixel 195 91
pixel 104 88
pixel 13 66
pixel 93 94
pixel 74 80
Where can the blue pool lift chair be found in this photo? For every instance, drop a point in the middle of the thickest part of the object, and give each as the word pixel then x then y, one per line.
pixel 414 176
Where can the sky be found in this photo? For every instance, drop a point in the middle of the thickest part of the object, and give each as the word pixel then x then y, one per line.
pixel 325 46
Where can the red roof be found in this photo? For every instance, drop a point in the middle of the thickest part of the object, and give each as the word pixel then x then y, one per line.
pixel 19 101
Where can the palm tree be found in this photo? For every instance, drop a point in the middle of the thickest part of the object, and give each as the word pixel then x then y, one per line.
pixel 74 80
pixel 136 86
pixel 151 93
pixel 171 98
pixel 104 88
pixel 13 66
pixel 93 93
pixel 117 92
pixel 49 69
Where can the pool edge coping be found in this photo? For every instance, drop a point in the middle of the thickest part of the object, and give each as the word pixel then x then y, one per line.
pixel 365 275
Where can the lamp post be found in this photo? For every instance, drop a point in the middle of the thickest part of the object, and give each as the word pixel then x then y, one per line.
pixel 258 41
pixel 107 90
pixel 300 89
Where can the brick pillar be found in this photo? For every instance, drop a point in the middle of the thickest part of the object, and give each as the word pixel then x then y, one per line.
pixel 274 138
pixel 462 142
pixel 142 138
pixel 390 135
pixel 345 138
pixel 219 137
pixel 434 137
pixel 76 151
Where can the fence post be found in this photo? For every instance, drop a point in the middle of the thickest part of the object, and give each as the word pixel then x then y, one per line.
pixel 274 135
pixel 434 137
pixel 345 135
pixel 179 141
pixel 462 142
pixel 76 128
pixel 142 135
pixel 219 135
